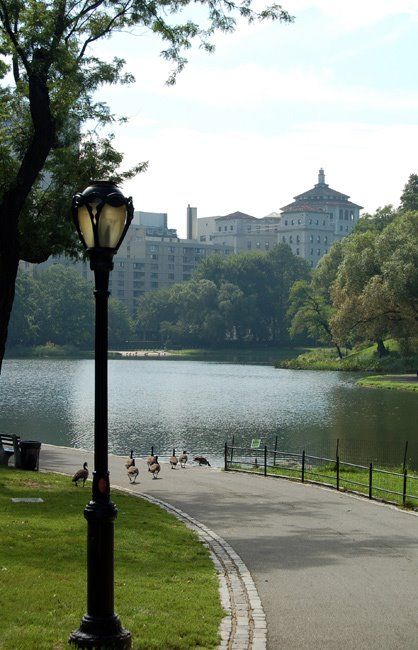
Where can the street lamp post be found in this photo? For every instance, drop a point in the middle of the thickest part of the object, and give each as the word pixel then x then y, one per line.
pixel 102 216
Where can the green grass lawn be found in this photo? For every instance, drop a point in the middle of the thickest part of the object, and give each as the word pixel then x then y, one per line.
pixel 352 479
pixel 254 355
pixel 384 381
pixel 166 588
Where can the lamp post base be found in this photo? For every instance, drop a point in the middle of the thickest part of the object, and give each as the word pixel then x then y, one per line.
pixel 101 634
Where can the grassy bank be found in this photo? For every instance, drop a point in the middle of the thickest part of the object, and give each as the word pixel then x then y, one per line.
pixel 166 588
pixel 360 359
pixel 402 382
pixel 351 479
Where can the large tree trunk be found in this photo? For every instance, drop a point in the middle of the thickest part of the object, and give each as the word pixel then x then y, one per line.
pixel 9 264
pixel 381 350
pixel 14 198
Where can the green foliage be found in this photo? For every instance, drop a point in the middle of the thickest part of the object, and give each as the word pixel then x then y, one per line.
pixel 409 196
pixel 242 297
pixel 55 307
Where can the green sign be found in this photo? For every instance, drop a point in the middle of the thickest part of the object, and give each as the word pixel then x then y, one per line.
pixel 255 443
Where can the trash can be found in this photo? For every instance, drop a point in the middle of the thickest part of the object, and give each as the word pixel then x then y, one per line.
pixel 29 454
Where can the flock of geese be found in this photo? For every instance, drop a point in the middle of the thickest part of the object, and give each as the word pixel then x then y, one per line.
pixel 153 466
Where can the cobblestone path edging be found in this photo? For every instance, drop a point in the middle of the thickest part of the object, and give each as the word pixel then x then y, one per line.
pixel 244 627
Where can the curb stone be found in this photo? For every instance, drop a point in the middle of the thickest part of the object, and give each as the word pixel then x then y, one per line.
pixel 244 627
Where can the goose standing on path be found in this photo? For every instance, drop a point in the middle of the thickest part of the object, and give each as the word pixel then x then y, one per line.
pixel 133 472
pixel 155 468
pixel 183 459
pixel 130 461
pixel 173 460
pixel 150 460
pixel 81 475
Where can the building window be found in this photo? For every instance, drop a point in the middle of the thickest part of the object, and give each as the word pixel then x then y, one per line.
pixel 154 266
pixel 292 222
pixel 341 228
pixel 153 248
pixel 138 265
pixel 346 215
pixel 323 223
pixel 285 223
pixel 297 239
pixel 219 229
pixel 154 285
pixel 311 238
pixel 331 215
pixel 297 251
pixel 202 237
pixel 258 244
pixel 310 222
pixel 137 294
pixel 138 274
pixel 318 252
pixel 311 251
pixel 318 239
pixel 153 256
pixel 249 228
pixel 299 221
pixel 326 239
pixel 317 221
pixel 291 239
pixel 225 227
pixel 171 276
pixel 249 245
pixel 267 245
pixel 231 227
pixel 311 264
pixel 346 229
pixel 171 267
pixel 340 214
pixel 171 258
pixel 284 239
pixel 154 275
pixel 121 264
pixel 352 215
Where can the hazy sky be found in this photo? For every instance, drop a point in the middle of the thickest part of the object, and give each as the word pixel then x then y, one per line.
pixel 248 127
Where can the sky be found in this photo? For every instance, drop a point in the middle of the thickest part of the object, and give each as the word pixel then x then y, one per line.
pixel 248 127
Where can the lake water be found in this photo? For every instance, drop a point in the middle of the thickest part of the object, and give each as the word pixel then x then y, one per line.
pixel 197 405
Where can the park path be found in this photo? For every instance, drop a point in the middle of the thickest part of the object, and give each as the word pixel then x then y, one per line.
pixel 333 571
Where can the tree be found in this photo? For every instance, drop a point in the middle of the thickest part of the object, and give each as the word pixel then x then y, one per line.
pixel 310 314
pixel 409 196
pixel 46 46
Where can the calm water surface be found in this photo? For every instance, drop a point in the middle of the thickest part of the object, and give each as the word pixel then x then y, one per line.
pixel 198 405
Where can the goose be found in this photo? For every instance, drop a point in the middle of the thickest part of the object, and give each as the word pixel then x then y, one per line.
pixel 151 459
pixel 81 475
pixel 154 467
pixel 183 459
pixel 130 461
pixel 173 460
pixel 133 472
pixel 202 460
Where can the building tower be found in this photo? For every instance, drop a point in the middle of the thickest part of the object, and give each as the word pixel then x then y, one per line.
pixel 191 222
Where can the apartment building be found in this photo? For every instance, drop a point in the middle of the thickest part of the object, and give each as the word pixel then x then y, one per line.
pixel 309 225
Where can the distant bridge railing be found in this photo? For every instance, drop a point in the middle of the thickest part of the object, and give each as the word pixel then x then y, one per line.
pixel 400 487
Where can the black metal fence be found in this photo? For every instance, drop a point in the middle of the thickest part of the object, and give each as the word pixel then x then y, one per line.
pixel 398 487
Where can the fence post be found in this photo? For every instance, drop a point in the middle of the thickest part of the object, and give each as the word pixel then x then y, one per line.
pixel 370 480
pixel 405 474
pixel 303 466
pixel 226 457
pixel 265 460
pixel 232 447
pixel 275 451
pixel 338 472
pixel 404 456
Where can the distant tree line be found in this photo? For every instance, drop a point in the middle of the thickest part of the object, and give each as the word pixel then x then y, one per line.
pixel 57 306
pixel 243 297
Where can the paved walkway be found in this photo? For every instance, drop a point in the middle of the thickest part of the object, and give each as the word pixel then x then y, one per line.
pixel 333 571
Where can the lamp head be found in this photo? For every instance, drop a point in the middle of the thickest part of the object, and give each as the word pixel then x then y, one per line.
pixel 102 215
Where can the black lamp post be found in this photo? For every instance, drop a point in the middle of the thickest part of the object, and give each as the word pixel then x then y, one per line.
pixel 102 216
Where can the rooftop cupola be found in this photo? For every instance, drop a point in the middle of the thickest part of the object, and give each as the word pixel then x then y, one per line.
pixel 321 177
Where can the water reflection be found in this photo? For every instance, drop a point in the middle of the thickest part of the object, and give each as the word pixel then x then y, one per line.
pixel 198 405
